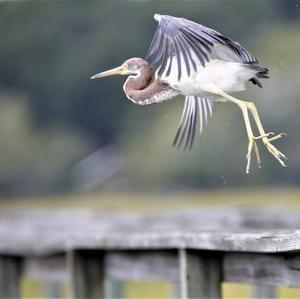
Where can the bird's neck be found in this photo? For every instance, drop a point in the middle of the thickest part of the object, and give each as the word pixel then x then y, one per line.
pixel 140 81
pixel 144 89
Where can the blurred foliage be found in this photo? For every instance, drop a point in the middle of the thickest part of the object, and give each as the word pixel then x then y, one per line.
pixel 49 49
pixel 32 158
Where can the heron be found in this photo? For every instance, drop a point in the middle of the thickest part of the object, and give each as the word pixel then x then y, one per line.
pixel 203 65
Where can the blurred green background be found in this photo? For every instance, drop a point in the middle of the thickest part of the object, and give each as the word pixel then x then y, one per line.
pixel 62 132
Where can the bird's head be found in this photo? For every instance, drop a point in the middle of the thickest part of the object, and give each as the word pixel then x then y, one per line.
pixel 131 66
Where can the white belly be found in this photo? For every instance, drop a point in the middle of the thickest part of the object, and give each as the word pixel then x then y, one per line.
pixel 228 76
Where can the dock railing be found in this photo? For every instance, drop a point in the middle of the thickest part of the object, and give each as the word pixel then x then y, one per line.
pixel 194 251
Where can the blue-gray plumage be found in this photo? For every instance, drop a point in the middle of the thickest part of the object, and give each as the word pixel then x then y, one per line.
pixel 175 36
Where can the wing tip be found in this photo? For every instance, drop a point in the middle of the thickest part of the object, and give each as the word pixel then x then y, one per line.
pixel 157 17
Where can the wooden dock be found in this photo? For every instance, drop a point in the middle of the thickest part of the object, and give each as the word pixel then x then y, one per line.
pixel 195 251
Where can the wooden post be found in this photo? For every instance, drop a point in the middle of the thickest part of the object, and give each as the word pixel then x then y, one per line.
pixel 86 274
pixel 261 291
pixel 200 276
pixel 10 275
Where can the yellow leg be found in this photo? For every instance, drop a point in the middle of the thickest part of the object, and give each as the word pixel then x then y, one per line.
pixel 252 139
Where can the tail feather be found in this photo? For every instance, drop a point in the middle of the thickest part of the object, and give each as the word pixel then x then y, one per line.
pixel 255 81
pixel 262 72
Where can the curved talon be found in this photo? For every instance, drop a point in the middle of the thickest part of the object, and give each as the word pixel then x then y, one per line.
pixel 269 134
pixel 277 137
pixel 264 136
pixel 274 151
pixel 281 162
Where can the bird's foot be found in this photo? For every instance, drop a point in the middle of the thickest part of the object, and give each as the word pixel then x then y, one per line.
pixel 267 139
pixel 273 150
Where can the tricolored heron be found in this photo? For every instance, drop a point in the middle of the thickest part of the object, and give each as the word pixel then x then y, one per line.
pixel 186 58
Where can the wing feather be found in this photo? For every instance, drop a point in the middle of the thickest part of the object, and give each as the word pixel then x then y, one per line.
pixel 186 129
pixel 194 124
pixel 196 49
pixel 178 56
pixel 185 45
pixel 210 105
pixel 185 55
pixel 180 38
pixel 189 140
pixel 205 42
pixel 165 56
pixel 203 101
pixel 185 124
pixel 200 115
pixel 183 115
pixel 156 51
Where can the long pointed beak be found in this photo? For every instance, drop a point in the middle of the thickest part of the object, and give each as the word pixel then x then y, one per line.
pixel 120 70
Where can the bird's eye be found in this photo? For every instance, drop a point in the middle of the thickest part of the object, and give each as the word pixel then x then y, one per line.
pixel 135 69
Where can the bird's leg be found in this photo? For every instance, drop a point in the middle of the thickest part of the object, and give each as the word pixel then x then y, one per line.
pixel 245 106
pixel 252 140
pixel 265 136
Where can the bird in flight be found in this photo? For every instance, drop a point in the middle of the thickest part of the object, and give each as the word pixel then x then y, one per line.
pixel 189 59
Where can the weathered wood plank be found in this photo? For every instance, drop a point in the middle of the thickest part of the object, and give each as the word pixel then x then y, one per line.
pixel 263 269
pixel 247 241
pixel 200 275
pixel 86 274
pixel 205 230
pixel 48 268
pixel 145 265
pixel 10 276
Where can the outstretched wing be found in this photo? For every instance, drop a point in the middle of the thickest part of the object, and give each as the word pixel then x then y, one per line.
pixel 186 130
pixel 191 44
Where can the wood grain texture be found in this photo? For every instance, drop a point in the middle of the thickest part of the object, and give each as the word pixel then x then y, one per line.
pixel 263 269
pixel 224 230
